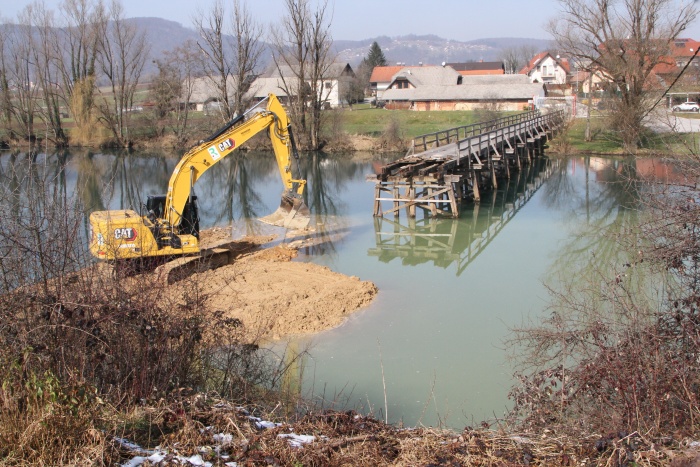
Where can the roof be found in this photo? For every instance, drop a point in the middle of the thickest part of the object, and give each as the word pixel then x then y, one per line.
pixel 428 75
pixel 494 80
pixel 562 62
pixel 261 87
pixel 205 89
pixel 684 47
pixel 335 70
pixel 383 74
pixel 479 68
pixel 504 91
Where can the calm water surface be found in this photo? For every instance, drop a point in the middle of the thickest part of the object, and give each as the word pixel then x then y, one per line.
pixel 432 343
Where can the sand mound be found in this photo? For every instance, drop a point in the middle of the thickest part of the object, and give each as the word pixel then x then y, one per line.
pixel 275 297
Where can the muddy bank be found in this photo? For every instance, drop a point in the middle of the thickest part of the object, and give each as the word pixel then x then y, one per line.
pixel 273 296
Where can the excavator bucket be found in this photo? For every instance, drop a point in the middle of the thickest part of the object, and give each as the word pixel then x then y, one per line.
pixel 292 213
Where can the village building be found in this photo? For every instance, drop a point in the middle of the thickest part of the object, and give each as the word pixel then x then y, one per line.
pixel 381 77
pixel 204 95
pixel 443 88
pixel 283 79
pixel 547 68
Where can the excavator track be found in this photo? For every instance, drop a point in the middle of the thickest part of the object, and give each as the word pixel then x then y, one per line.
pixel 212 257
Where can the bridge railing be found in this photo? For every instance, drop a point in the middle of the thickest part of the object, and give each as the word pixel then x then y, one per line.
pixel 473 144
pixel 452 135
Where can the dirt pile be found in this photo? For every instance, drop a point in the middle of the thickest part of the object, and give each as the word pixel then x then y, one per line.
pixel 273 296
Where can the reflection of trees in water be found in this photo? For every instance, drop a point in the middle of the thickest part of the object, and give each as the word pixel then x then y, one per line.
pixel 40 236
pixel 609 203
pixel 234 180
pixel 619 344
pixel 327 178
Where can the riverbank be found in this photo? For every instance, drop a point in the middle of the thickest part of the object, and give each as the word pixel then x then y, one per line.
pixel 271 295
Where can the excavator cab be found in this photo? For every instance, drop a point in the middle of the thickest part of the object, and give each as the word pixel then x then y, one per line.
pixel 189 224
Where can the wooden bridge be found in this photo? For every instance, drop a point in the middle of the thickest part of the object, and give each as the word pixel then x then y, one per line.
pixel 446 167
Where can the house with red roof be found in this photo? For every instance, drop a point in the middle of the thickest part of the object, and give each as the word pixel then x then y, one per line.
pixel 382 76
pixel 682 52
pixel 547 68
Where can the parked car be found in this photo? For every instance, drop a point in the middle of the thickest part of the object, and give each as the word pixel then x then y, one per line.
pixel 688 106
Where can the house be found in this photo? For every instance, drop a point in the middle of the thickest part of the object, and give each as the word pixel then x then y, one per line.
pixel 479 68
pixel 587 81
pixel 381 77
pixel 204 93
pixel 417 76
pixel 547 68
pixel 498 92
pixel 683 57
pixel 283 79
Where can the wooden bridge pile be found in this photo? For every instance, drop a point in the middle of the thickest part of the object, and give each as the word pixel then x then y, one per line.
pixel 459 241
pixel 445 167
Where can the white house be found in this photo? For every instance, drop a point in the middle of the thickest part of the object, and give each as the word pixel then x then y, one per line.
pixel 547 68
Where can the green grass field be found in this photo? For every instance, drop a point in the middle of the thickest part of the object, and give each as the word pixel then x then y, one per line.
pixel 373 122
pixel 606 141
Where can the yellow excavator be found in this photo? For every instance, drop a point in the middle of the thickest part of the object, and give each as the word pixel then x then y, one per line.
pixel 170 226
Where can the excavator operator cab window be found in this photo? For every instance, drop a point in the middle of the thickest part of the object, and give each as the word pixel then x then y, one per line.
pixel 190 214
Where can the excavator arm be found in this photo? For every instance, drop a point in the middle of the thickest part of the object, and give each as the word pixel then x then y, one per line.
pixel 210 152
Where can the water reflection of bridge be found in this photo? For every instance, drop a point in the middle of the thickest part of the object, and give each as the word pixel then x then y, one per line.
pixel 459 241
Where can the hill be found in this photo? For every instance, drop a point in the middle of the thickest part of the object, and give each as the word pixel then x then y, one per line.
pixel 164 35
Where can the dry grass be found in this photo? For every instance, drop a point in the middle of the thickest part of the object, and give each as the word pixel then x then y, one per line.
pixel 351 439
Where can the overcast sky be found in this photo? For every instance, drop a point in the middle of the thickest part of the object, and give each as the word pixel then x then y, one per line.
pixel 461 20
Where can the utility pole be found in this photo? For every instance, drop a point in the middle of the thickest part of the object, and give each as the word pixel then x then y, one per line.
pixel 587 136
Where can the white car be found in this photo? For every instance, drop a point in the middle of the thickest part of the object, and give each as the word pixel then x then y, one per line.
pixel 688 106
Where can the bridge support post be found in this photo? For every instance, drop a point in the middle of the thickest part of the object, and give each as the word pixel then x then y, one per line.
pixel 377 203
pixel 492 169
pixel 395 195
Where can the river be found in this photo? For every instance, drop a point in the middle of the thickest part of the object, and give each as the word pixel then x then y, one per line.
pixel 430 349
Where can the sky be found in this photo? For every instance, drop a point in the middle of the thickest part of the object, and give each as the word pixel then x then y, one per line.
pixel 460 20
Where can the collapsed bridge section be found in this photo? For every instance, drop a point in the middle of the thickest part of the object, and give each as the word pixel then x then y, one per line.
pixel 446 167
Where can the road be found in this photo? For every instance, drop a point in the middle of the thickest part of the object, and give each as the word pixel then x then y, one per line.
pixel 664 122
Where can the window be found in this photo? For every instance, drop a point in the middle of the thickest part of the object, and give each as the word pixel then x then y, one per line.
pixel 328 85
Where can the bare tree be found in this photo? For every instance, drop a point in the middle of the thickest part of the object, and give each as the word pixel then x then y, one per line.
pixel 181 67
pixel 21 73
pixel 247 48
pixel 291 52
pixel 78 46
pixel 231 55
pixel 5 94
pixel 302 57
pixel 47 63
pixel 624 40
pixel 320 42
pixel 515 58
pixel 122 54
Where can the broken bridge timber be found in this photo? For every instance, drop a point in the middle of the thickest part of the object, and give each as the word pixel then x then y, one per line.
pixel 441 169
